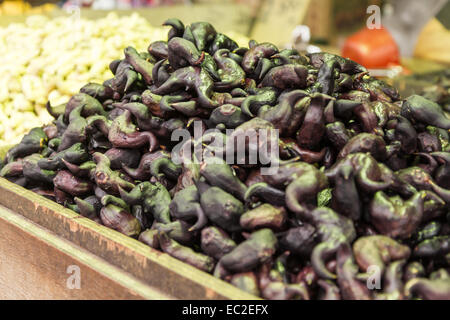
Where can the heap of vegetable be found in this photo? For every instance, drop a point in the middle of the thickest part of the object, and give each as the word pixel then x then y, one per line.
pixel 362 185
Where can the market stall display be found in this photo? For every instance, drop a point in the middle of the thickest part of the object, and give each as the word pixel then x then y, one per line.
pixel 361 179
pixel 19 7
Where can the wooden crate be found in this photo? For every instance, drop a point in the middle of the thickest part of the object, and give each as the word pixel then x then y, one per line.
pixel 40 241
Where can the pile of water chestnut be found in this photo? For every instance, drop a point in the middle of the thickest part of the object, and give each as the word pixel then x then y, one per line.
pixel 357 209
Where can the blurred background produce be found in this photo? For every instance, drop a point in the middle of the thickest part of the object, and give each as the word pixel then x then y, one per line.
pixel 17 8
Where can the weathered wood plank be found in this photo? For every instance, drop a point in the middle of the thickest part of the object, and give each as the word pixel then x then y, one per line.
pixel 159 270
pixel 37 264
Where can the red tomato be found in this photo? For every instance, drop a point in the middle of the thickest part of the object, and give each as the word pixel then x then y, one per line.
pixel 372 48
